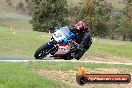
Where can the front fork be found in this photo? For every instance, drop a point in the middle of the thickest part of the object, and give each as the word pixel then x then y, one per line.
pixel 53 47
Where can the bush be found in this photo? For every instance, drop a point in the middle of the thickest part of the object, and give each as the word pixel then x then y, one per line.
pixel 48 13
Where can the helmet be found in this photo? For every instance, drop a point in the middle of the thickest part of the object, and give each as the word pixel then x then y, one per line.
pixel 80 25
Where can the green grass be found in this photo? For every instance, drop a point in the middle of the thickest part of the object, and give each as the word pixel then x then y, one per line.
pixel 67 65
pixel 19 75
pixel 24 75
pixel 24 43
pixel 111 48
pixel 16 24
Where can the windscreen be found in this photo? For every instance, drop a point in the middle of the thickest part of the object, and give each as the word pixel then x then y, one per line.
pixel 65 30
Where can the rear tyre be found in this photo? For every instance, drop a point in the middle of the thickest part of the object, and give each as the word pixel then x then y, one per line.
pixel 68 57
pixel 41 52
pixel 79 54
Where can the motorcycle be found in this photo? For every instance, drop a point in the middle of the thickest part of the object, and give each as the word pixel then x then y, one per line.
pixel 62 45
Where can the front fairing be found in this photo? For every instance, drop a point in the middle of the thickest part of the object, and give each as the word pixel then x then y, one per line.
pixel 63 35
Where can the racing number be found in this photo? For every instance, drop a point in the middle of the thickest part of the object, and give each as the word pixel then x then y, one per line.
pixel 58 35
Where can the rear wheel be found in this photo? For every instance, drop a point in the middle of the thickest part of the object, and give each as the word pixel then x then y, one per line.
pixel 41 52
pixel 68 56
pixel 79 54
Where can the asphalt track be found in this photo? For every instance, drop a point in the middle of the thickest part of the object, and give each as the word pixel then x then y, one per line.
pixel 14 59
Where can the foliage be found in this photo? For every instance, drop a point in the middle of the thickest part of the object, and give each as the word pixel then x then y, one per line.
pixel 88 9
pixel 130 10
pixel 73 11
pixel 101 29
pixel 48 13
pixel 20 6
pixel 27 1
pixel 9 2
pixel 88 13
pixel 124 26
pixel 106 8
pixel 102 17
pixel 125 23
pixel 28 7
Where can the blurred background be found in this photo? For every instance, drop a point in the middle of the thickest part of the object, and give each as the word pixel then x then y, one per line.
pixel 107 18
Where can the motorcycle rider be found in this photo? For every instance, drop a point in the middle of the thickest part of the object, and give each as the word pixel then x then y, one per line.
pixel 84 38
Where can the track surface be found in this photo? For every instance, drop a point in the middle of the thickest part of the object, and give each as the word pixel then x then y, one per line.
pixel 14 59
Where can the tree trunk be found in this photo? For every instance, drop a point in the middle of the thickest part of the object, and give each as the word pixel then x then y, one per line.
pixel 111 37
pixel 131 38
pixel 124 37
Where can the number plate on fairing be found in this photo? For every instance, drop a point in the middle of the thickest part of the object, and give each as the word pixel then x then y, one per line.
pixel 58 35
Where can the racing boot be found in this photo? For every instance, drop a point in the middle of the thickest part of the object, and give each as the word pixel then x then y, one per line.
pixel 79 54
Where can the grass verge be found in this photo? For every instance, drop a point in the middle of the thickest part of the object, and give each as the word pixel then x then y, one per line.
pixel 22 44
pixel 19 75
pixel 24 75
pixel 22 24
pixel 67 65
pixel 111 48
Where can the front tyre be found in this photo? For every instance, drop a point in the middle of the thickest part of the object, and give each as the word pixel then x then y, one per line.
pixel 41 52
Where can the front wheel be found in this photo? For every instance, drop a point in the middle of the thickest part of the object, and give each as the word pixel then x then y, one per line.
pixel 41 52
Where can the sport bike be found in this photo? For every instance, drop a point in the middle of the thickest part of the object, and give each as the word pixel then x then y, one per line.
pixel 62 45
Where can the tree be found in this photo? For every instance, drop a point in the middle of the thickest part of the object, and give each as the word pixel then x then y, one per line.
pixel 124 27
pixel 130 11
pixel 27 1
pixel 48 13
pixel 29 7
pixel 130 14
pixel 112 28
pixel 113 23
pixel 8 2
pixel 88 9
pixel 106 24
pixel 20 7
pixel 88 13
pixel 73 11
pixel 101 29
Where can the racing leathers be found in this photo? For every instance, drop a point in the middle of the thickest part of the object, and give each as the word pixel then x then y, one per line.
pixel 84 39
